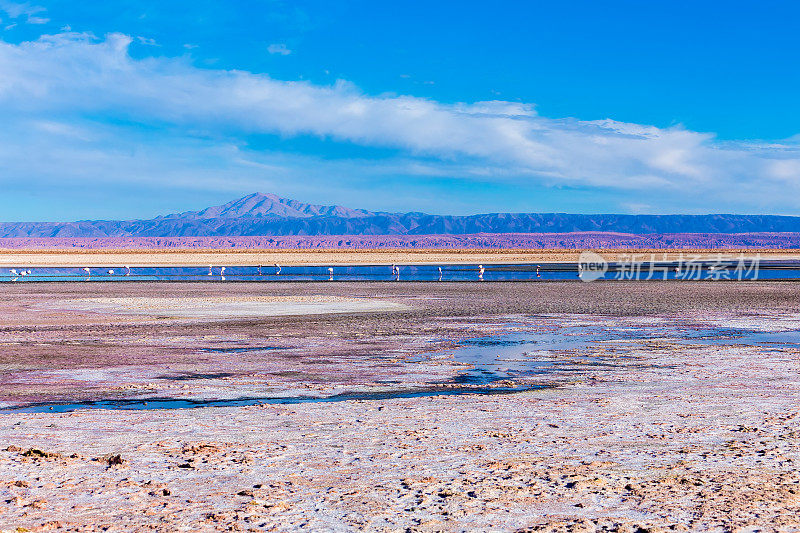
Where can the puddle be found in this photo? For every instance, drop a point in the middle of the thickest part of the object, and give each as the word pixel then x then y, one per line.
pixel 241 349
pixel 171 403
pixel 574 348
pixel 531 353
pixel 192 376
pixel 753 338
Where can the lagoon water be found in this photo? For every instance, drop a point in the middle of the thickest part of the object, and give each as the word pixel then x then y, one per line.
pixel 778 270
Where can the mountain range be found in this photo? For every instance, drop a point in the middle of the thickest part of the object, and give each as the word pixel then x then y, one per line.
pixel 260 214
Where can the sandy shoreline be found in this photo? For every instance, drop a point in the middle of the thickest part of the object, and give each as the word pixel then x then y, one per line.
pixel 141 258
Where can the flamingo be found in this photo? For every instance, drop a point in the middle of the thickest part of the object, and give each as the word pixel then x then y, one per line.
pixel 480 272
pixel 210 267
pixel 440 273
pixel 330 272
pixel 110 272
pixel 277 272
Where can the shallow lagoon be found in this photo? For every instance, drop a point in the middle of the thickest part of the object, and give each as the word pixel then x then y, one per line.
pixel 708 270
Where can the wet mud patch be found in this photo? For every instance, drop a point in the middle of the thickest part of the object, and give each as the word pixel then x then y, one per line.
pixel 242 349
pixel 196 376
pixel 173 403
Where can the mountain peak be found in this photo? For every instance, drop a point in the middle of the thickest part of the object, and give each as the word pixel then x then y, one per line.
pixel 271 205
pixel 268 214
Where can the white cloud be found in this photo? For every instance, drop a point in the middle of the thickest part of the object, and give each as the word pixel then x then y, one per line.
pixel 279 48
pixel 75 76
pixel 18 9
pixel 147 41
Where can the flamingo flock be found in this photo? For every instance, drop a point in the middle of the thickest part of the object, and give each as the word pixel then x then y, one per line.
pixel 89 272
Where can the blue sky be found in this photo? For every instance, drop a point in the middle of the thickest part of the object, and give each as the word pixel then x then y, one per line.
pixel 129 109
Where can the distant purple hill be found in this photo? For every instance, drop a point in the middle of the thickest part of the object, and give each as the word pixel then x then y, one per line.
pixel 268 221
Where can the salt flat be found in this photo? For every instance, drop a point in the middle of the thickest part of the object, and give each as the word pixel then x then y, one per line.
pixel 661 422
pixel 231 307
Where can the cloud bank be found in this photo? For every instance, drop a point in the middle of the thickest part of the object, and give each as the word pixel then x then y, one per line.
pixel 85 99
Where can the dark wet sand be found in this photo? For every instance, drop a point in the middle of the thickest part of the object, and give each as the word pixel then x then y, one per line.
pixel 461 298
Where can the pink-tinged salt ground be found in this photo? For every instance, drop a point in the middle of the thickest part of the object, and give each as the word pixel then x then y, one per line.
pixel 652 429
pixel 472 241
